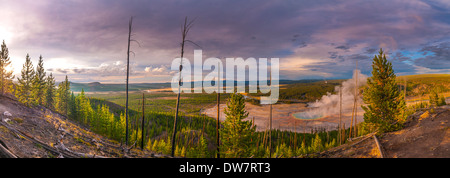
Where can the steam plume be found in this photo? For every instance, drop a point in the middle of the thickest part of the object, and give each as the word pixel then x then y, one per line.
pixel 329 103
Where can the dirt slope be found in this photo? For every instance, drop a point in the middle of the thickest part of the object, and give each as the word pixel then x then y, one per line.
pixel 37 132
pixel 425 135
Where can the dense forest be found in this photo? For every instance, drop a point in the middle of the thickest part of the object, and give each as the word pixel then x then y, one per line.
pixel 301 91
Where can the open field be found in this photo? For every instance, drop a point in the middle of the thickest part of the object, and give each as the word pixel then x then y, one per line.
pixel 191 103
pixel 421 85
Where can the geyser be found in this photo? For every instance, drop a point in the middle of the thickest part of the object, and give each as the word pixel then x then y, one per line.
pixel 329 104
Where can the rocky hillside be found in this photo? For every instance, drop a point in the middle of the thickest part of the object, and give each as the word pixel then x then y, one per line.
pixel 426 135
pixel 38 132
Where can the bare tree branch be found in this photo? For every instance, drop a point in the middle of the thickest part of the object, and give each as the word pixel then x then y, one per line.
pixel 134 54
pixel 133 40
pixel 194 43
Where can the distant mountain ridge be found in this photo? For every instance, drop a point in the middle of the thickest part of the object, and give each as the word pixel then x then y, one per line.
pixel 100 87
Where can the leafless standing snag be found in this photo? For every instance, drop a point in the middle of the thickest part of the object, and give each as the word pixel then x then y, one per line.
pixel 355 109
pixel 270 119
pixel 218 110
pixel 184 31
pixel 142 125
pixel 128 76
pixel 340 116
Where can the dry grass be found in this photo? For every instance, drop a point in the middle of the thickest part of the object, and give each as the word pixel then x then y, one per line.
pixel 424 115
pixel 374 153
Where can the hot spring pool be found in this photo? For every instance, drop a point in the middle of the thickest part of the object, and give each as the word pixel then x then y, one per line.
pixel 307 115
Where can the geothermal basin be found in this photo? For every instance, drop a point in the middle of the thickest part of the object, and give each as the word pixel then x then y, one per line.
pixel 289 117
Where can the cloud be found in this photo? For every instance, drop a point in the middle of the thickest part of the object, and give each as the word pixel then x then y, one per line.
pixel 438 58
pixel 116 68
pixel 425 70
pixel 158 71
pixel 343 47
pixel 311 38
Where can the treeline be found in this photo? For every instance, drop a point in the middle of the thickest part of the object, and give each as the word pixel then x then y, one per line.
pixel 304 92
pixel 435 99
pixel 308 92
pixel 420 85
pixel 193 139
pixel 99 117
pixel 34 87
pixel 5 74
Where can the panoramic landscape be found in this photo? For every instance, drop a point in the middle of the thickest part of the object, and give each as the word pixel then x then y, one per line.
pixel 223 79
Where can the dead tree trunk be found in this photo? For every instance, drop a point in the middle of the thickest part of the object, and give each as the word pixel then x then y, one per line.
pixel 218 110
pixel 378 146
pixel 270 120
pixel 143 122
pixel 356 98
pixel 340 116
pixel 184 32
pixel 128 76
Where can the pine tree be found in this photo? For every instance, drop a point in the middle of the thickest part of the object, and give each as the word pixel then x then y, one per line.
pixel 86 113
pixel 24 86
pixel 80 100
pixel 59 98
pixel 5 75
pixel 50 92
pixel 202 147
pixel 63 97
pixel 39 83
pixel 316 144
pixel 442 101
pixel 72 107
pixel 236 134
pixel 434 98
pixel 384 100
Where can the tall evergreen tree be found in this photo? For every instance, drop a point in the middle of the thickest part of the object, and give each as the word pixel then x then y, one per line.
pixel 72 107
pixel 50 92
pixel 236 134
pixel 24 86
pixel 39 83
pixel 434 97
pixel 63 97
pixel 85 111
pixel 435 100
pixel 80 100
pixel 60 98
pixel 442 101
pixel 5 75
pixel 384 100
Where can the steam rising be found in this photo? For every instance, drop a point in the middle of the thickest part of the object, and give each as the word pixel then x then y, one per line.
pixel 329 103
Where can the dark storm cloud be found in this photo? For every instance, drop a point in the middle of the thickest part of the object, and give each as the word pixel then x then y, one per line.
pixel 333 55
pixel 371 50
pixel 236 28
pixel 343 47
pixel 438 58
pixel 95 31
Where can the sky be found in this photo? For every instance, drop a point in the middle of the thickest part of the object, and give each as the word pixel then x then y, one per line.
pixel 320 39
